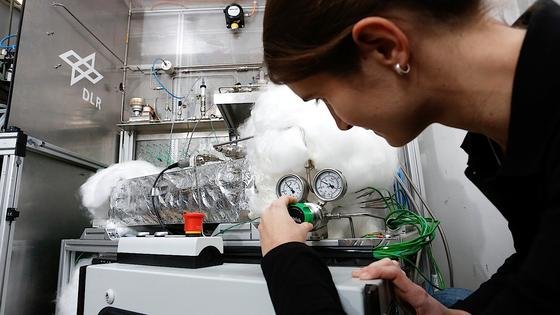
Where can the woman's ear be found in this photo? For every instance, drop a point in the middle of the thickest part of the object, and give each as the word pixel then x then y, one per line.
pixel 382 40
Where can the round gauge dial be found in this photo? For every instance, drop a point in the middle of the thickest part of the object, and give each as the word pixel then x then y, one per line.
pixel 233 11
pixel 329 185
pixel 292 185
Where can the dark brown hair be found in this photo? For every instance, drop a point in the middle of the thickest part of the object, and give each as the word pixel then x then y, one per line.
pixel 302 38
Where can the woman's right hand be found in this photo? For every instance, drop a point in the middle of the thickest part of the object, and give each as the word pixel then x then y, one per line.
pixel 405 289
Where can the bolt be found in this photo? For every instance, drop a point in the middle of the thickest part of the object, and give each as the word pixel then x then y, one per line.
pixel 57 66
pixel 50 33
pixel 109 296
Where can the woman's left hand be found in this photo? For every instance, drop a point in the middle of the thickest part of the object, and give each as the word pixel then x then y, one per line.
pixel 277 226
pixel 406 290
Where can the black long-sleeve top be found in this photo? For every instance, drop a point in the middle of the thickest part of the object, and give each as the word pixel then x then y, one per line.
pixel 523 183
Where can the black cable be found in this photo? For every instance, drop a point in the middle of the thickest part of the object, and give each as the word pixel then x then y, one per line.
pixel 154 187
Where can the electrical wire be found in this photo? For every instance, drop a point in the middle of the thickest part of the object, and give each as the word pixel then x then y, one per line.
pixel 399 217
pixel 426 228
pixel 236 225
pixel 8 47
pixel 173 115
pixel 441 281
pixel 191 137
pixel 422 274
pixel 155 76
pixel 440 229
pixel 253 11
pixel 154 190
pixel 192 133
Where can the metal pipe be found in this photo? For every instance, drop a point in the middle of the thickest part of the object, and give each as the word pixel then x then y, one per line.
pixel 125 67
pixel 51 150
pixel 200 68
pixel 352 231
pixel 221 68
pixel 349 216
pixel 232 142
pixel 56 4
pixel 359 214
pixel 440 229
pixel 207 75
pixel 191 10
pixel 10 21
pixel 308 167
pixel 247 86
pixel 418 256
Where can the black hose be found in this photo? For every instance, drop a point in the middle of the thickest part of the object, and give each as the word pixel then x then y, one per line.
pixel 154 186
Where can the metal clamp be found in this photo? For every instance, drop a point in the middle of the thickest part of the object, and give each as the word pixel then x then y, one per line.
pixel 12 214
pixel 13 142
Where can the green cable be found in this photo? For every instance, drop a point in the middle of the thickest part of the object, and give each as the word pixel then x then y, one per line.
pixel 421 274
pixel 426 228
pixel 400 216
pixel 236 225
pixel 438 271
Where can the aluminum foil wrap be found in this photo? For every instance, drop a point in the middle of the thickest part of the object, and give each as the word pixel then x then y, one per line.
pixel 218 190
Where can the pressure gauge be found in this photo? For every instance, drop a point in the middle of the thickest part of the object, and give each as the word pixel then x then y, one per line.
pixel 329 185
pixel 233 11
pixel 292 185
pixel 235 18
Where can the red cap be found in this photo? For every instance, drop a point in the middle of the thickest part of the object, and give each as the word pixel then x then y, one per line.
pixel 193 222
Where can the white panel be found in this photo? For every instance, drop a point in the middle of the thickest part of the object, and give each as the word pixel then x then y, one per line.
pixel 226 289
pixel 477 232
pixel 177 246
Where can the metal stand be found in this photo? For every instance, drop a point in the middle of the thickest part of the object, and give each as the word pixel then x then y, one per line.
pixel 68 250
pixel 12 151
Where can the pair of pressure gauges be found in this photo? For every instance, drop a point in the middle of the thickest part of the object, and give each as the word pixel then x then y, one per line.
pixel 328 185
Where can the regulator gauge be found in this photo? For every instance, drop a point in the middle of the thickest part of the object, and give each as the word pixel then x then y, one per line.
pixel 329 185
pixel 292 185
pixel 235 18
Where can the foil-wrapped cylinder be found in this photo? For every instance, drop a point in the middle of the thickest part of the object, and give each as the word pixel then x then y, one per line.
pixel 218 190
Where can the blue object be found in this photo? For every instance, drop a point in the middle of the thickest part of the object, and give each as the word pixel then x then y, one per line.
pixel 401 197
pixel 5 38
pixel 450 296
pixel 154 74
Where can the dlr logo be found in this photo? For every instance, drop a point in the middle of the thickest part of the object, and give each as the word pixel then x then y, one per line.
pixel 88 97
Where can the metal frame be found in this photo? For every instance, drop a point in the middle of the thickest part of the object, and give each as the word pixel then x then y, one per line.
pixel 10 179
pixel 3 110
pixel 126 147
pixel 128 139
pixel 45 148
pixel 68 250
pixel 13 147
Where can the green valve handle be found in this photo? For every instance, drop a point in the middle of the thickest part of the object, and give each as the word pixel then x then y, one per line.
pixel 301 212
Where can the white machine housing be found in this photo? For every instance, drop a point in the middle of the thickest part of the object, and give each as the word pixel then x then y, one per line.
pixel 170 245
pixel 226 289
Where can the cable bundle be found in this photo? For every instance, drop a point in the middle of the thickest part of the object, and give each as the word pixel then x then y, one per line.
pixel 398 217
pixel 426 228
